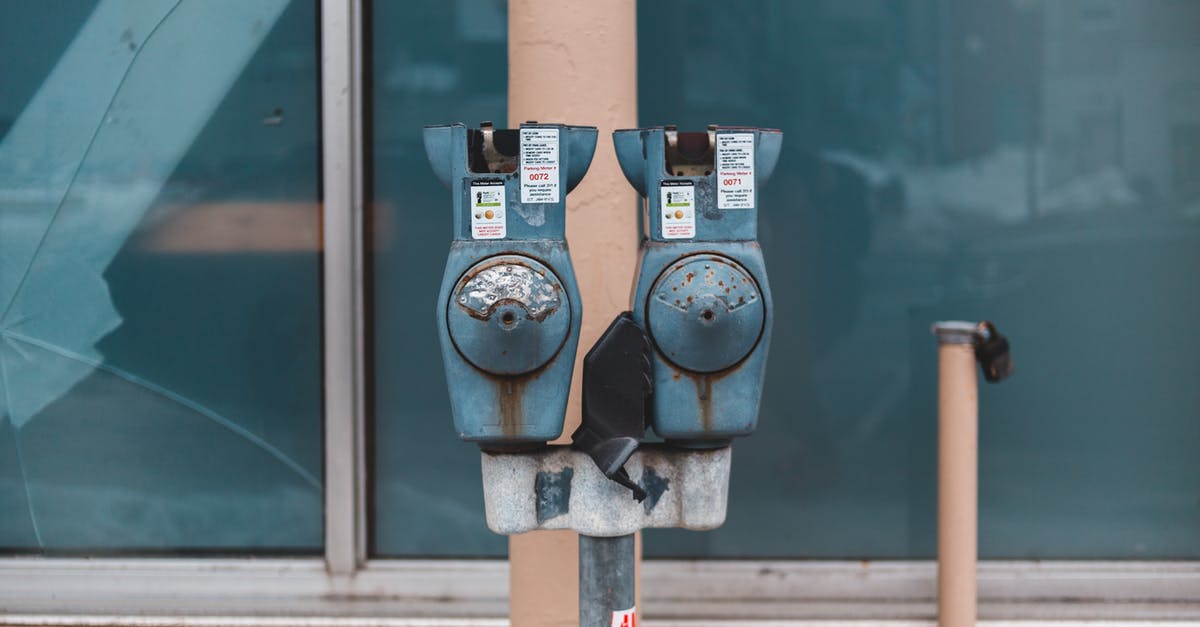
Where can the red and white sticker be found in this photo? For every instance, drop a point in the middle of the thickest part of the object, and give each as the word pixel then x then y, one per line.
pixel 677 209
pixel 625 618
pixel 539 165
pixel 735 170
pixel 487 210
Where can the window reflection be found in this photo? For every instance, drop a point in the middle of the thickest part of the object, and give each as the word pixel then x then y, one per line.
pixel 159 277
pixel 1027 161
pixel 446 65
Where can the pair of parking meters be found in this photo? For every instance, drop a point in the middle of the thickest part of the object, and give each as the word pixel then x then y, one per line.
pixel 688 360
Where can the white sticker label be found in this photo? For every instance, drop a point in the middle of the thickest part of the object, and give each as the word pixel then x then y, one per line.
pixel 735 170
pixel 678 209
pixel 625 618
pixel 539 165
pixel 488 219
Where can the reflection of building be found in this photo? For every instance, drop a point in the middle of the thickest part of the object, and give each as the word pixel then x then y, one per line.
pixel 989 59
pixel 1122 92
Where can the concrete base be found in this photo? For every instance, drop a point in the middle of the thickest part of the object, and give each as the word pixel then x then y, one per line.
pixel 560 488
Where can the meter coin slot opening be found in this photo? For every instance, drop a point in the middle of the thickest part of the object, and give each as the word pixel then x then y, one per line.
pixel 493 151
pixel 690 153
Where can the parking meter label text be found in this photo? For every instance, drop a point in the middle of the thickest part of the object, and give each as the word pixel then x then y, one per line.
pixel 625 618
pixel 539 165
pixel 735 170
pixel 677 209
pixel 488 211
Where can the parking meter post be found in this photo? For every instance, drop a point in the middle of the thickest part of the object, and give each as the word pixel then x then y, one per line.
pixel 960 346
pixel 958 428
pixel 606 581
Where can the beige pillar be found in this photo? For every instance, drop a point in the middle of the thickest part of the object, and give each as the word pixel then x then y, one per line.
pixel 958 462
pixel 576 62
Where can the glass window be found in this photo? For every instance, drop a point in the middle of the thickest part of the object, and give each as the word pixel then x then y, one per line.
pixel 160 365
pixel 1030 162
pixel 434 62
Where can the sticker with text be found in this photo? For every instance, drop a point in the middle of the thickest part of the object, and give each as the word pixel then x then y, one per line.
pixel 539 165
pixel 625 618
pixel 487 210
pixel 678 209
pixel 735 170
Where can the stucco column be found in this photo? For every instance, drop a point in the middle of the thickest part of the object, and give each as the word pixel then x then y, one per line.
pixel 576 62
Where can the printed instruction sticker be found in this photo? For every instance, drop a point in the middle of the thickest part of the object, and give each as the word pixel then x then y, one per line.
pixel 625 618
pixel 678 208
pixel 488 219
pixel 539 165
pixel 735 170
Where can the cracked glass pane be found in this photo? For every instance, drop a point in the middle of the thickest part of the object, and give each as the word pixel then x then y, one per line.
pixel 160 366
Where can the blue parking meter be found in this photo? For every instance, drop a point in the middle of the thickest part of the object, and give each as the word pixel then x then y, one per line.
pixel 508 313
pixel 701 290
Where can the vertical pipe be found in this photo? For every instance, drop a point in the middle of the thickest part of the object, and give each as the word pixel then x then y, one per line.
pixel 958 455
pixel 576 62
pixel 606 583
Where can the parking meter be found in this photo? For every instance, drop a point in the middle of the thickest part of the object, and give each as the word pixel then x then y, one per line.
pixel 701 289
pixel 508 313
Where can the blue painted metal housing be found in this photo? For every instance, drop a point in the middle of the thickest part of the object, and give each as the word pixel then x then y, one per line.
pixel 508 314
pixel 701 290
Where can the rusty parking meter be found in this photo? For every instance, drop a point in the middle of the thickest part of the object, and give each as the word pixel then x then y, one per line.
pixel 701 290
pixel 508 313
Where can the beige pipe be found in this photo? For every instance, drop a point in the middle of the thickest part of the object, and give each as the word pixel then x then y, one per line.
pixel 576 62
pixel 958 459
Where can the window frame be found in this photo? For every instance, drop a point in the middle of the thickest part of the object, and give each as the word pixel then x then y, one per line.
pixel 347 587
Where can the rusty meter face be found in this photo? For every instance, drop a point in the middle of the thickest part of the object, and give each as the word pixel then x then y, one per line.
pixel 705 313
pixel 508 315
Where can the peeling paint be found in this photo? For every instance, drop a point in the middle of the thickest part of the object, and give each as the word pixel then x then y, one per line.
pixel 537 294
pixel 553 490
pixel 654 485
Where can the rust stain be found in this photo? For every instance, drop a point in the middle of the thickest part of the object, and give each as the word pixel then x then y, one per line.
pixel 704 392
pixel 510 393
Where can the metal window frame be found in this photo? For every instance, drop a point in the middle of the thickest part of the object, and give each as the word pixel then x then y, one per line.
pixel 342 286
pixel 345 587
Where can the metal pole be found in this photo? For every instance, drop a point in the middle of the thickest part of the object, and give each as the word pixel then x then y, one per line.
pixel 958 455
pixel 606 584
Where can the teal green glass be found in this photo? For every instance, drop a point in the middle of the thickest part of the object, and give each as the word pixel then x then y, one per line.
pixel 160 364
pixel 1033 163
pixel 432 62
